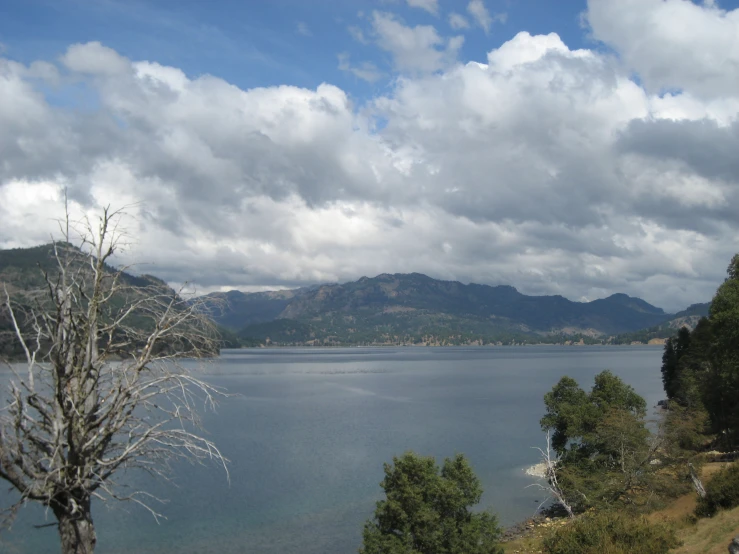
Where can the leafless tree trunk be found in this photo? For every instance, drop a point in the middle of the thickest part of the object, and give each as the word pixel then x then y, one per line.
pixel 77 533
pixel 697 483
pixel 552 488
pixel 103 389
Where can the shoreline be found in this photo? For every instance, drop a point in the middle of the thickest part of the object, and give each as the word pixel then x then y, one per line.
pixel 379 346
pixel 544 516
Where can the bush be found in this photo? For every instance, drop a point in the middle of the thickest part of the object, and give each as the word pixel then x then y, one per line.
pixel 721 492
pixel 611 533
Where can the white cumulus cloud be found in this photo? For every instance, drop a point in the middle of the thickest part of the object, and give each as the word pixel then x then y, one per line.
pixel 539 165
pixel 94 58
pixel 672 44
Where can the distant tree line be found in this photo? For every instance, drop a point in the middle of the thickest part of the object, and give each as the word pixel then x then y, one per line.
pixel 288 332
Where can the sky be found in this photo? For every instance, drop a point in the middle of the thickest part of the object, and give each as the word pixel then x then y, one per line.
pixel 580 148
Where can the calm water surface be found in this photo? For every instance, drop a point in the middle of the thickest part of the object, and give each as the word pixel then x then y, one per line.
pixel 308 430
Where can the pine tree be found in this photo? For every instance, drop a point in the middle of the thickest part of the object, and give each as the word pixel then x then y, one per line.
pixel 427 511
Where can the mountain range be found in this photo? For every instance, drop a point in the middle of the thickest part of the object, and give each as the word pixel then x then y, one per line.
pixel 400 309
pixel 416 309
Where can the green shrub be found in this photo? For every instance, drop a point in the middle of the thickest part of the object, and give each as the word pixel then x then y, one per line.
pixel 611 533
pixel 721 492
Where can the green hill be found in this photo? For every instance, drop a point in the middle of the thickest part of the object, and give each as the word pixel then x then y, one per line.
pixel 22 271
pixel 23 268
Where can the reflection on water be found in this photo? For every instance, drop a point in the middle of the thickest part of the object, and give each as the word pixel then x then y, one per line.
pixel 307 432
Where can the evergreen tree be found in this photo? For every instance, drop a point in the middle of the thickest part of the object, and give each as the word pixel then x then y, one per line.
pixel 669 368
pixel 574 416
pixel 600 438
pixel 723 375
pixel 427 511
pixel 692 376
pixel 675 349
pixel 569 414
pixel 700 370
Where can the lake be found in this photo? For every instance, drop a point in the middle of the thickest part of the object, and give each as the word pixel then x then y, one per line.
pixel 308 430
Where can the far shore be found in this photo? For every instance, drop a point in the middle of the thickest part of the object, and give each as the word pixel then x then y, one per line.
pixel 540 344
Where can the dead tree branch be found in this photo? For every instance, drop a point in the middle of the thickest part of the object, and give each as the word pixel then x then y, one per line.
pixel 552 488
pixel 104 387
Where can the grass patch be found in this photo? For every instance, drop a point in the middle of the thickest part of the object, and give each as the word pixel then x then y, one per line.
pixel 611 533
pixel 722 491
pixel 710 535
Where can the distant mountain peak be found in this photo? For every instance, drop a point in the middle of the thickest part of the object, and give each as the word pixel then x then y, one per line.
pixel 389 304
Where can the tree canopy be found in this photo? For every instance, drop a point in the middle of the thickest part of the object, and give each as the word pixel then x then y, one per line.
pixel 600 437
pixel 575 417
pixel 427 510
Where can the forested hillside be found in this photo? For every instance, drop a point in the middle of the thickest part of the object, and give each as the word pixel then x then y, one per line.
pixel 416 309
pixel 23 274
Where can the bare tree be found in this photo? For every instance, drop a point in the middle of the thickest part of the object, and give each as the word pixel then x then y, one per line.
pixel 552 488
pixel 697 483
pixel 103 388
